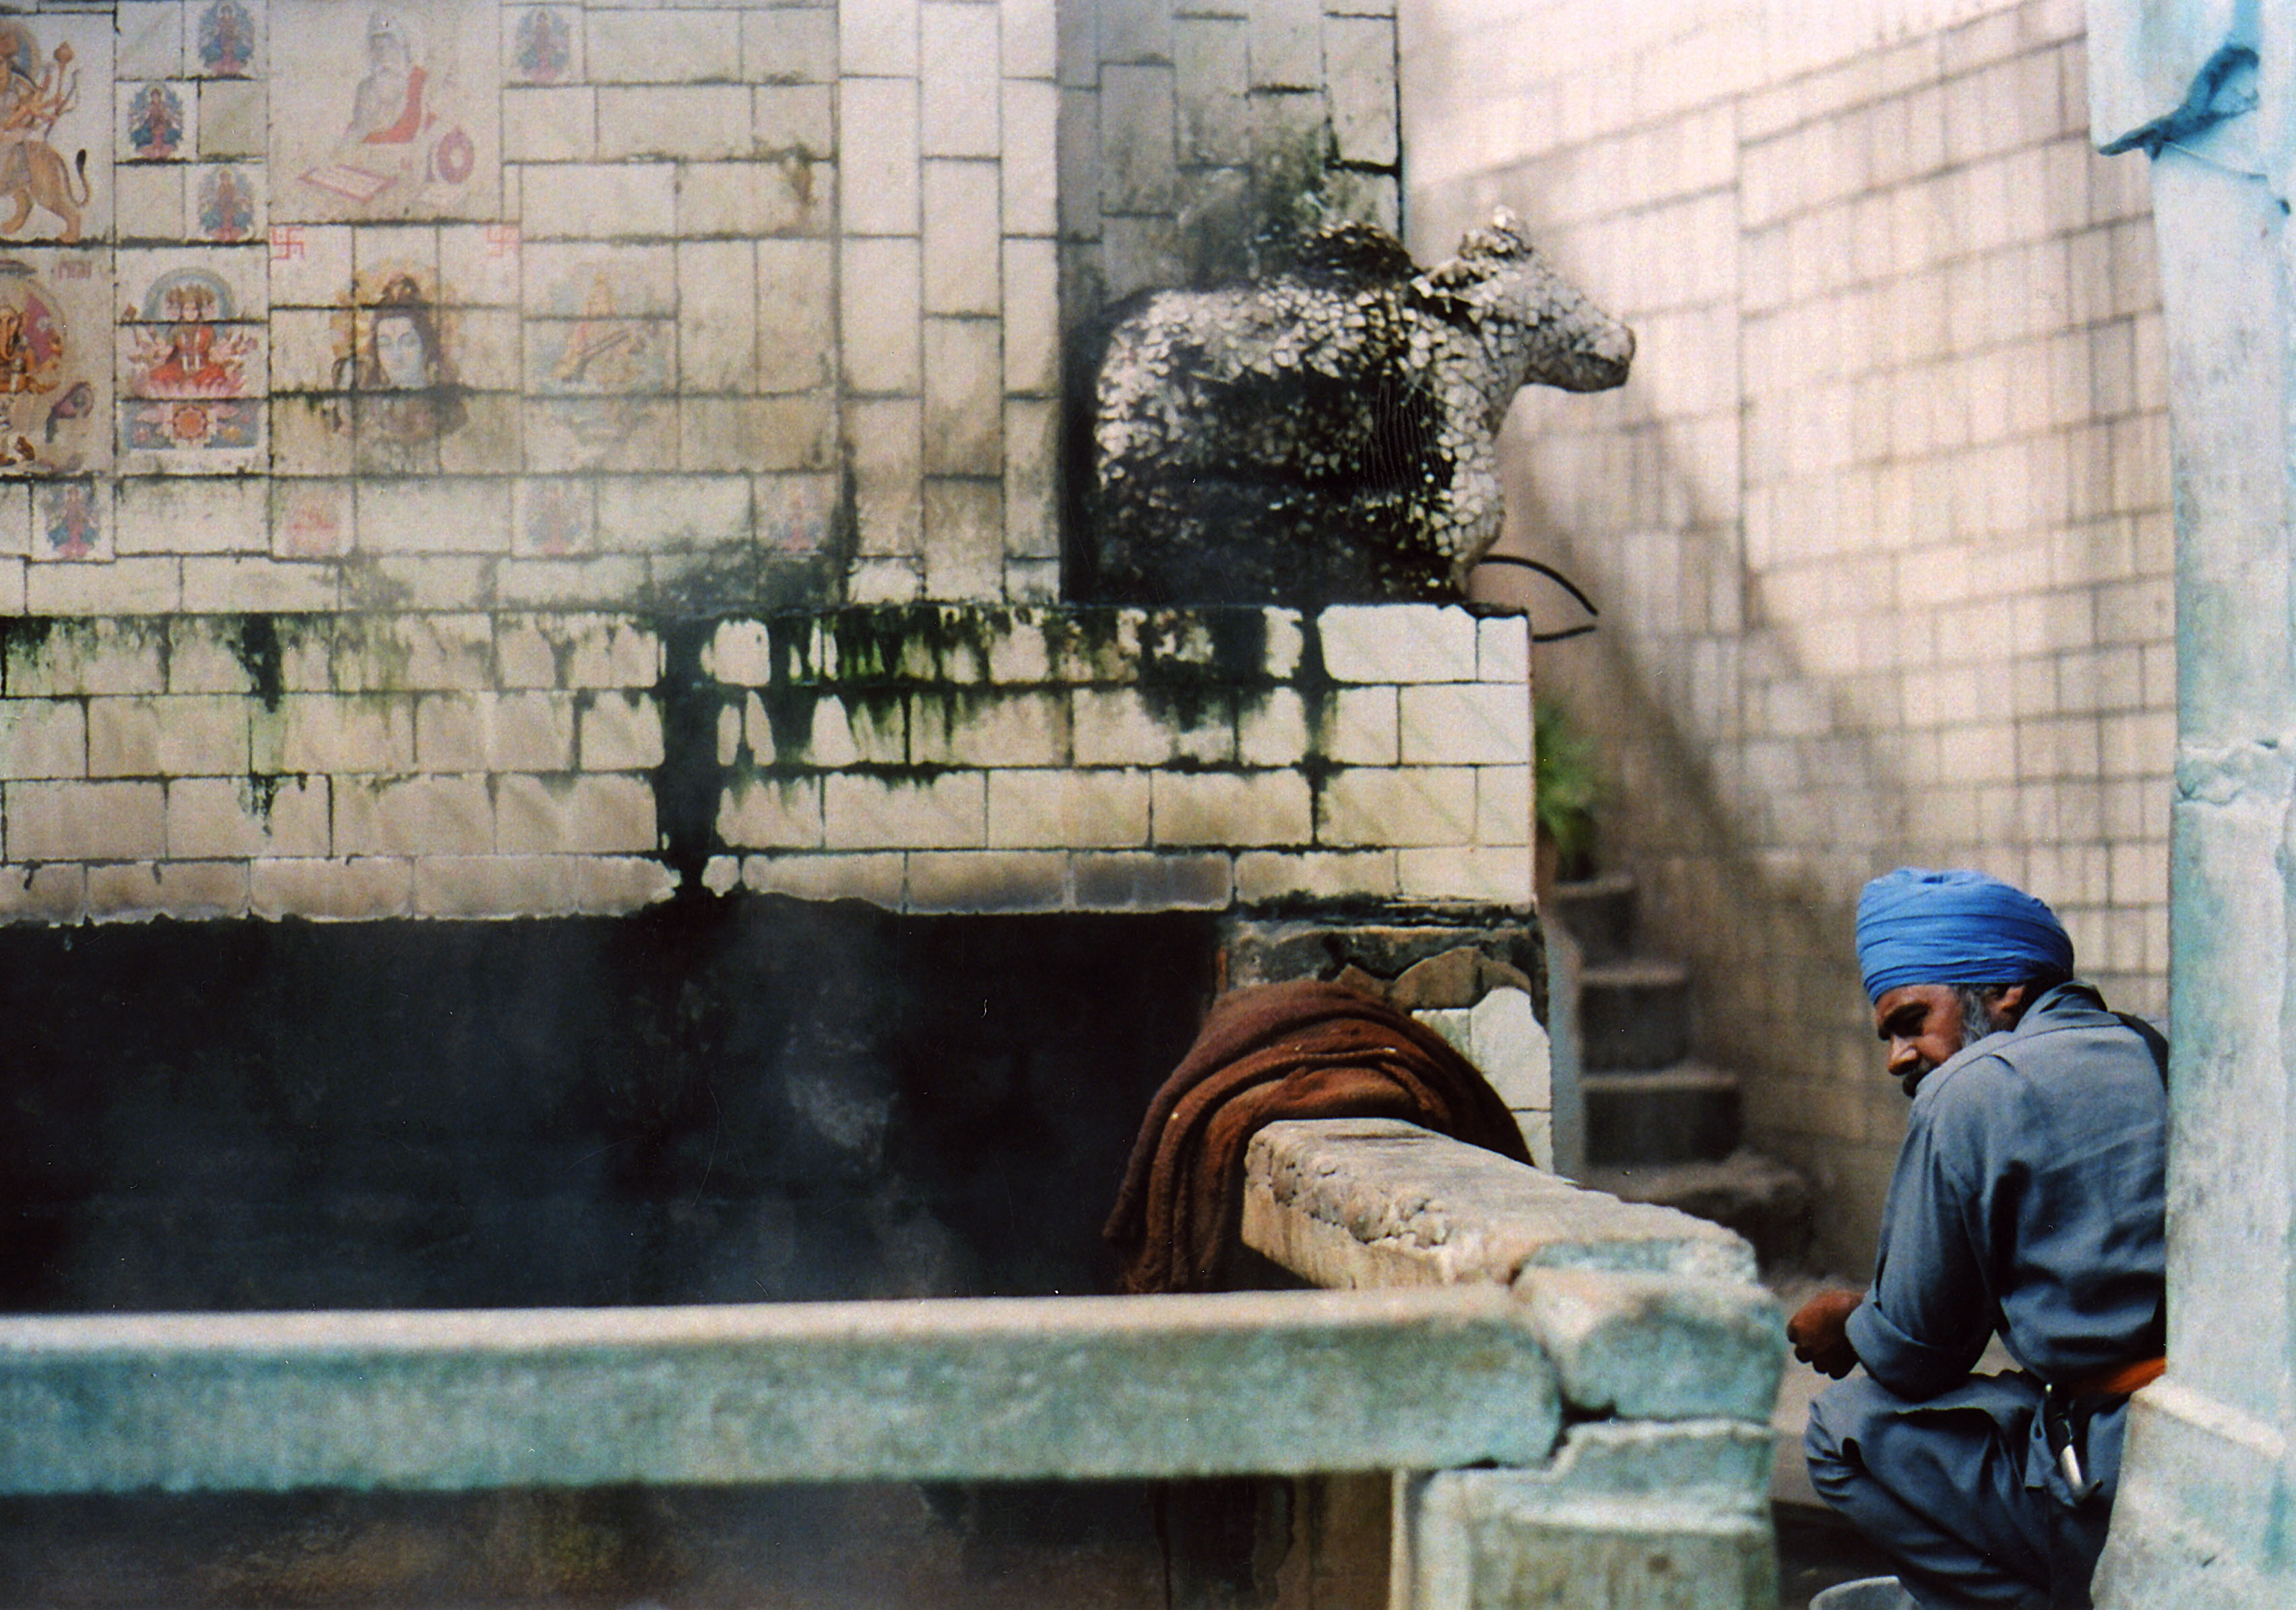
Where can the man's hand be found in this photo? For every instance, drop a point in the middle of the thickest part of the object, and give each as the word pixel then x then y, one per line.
pixel 1818 1334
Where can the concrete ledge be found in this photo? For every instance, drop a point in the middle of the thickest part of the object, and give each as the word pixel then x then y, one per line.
pixel 1271 1382
pixel 1657 1347
pixel 1376 1202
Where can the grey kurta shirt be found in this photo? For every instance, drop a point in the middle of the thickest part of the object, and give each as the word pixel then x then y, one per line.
pixel 2027 1199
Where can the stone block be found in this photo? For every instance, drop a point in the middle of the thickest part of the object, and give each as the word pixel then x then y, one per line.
pixel 878 879
pixel 739 652
pixel 171 736
pixel 831 732
pixel 717 296
pixel 987 880
pixel 43 738
pixel 963 271
pixel 243 817
pixel 1271 729
pixel 186 890
pixel 1138 166
pixel 1507 1041
pixel 964 537
pixel 621 731
pixel 123 586
pixel 701 122
pixel 1031 307
pixel 958 77
pixel 609 886
pixel 794 193
pixel 793 118
pixel 878 155
pixel 1032 432
pixel 654 512
pixel 335 734
pixel 1066 810
pixel 886 581
pixel 1420 806
pixel 1482 877
pixel 597 815
pixel 74 820
pixel 797 297
pixel 1231 808
pixel 963 397
pixel 100 655
pixel 1360 727
pixel 965 728
pixel 788 46
pixel 422 815
pixel 1031 198
pixel 459 515
pixel 650 45
pixel 603 202
pixel 555 123
pixel 1659 1347
pixel 881 301
pixel 1212 58
pixel 1116 727
pixel 493 886
pixel 948 812
pixel 771 813
pixel 1359 77
pixel 727 436
pixel 1264 876
pixel 878 37
pixel 1400 643
pixel 233 119
pixel 1349 1202
pixel 188 516
pixel 1113 881
pixel 358 890
pixel 1030 38
pixel 248 584
pixel 43 894
pixel 1502 805
pixel 1465 723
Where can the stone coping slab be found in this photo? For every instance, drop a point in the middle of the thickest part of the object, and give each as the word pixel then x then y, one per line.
pixel 1365 1201
pixel 1273 1382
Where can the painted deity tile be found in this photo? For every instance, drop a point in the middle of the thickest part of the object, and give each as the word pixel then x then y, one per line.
pixel 394 118
pixel 224 284
pixel 598 356
pixel 583 281
pixel 71 519
pixel 543 43
pixel 478 264
pixel 159 121
pixel 310 265
pixel 227 203
pixel 56 127
pixel 553 517
pixel 56 361
pixel 226 39
pixel 795 513
pixel 194 359
pixel 192 437
pixel 312 518
pixel 151 34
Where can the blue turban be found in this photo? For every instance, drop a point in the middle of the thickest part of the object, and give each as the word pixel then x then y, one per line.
pixel 1918 927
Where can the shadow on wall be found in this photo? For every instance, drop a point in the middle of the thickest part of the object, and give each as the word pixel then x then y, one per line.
pixel 743 1101
pixel 1777 995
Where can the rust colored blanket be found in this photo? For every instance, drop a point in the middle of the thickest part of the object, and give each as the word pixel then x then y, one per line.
pixel 1305 1050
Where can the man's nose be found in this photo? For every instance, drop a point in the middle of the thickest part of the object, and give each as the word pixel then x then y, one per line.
pixel 1903 1055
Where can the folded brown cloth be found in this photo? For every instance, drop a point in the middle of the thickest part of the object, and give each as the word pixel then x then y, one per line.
pixel 1304 1050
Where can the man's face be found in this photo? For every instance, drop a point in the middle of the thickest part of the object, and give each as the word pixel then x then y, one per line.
pixel 1921 1024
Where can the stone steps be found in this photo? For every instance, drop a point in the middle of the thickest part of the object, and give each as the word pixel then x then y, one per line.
pixel 1661 1127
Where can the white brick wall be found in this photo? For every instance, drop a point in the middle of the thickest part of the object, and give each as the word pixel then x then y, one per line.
pixel 1878 528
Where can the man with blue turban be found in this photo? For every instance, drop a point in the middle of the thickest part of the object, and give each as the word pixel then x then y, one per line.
pixel 2027 1201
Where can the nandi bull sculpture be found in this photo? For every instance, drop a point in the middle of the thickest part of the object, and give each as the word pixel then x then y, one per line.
pixel 1325 435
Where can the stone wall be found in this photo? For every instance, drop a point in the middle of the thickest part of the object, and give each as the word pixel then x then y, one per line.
pixel 1881 530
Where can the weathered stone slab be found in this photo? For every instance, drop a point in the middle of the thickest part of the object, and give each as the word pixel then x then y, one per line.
pixel 1628 1517
pixel 996 1388
pixel 1658 1347
pixel 1365 1202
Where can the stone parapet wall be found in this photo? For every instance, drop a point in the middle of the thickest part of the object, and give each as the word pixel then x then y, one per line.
pixel 923 758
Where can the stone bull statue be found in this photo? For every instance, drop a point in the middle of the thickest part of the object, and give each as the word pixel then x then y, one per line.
pixel 1325 435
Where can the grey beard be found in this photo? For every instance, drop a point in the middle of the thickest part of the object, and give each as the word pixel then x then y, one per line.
pixel 1977 1021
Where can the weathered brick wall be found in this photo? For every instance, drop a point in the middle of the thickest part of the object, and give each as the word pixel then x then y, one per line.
pixel 1881 526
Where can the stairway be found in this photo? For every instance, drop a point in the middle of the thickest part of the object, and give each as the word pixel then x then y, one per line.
pixel 1661 1127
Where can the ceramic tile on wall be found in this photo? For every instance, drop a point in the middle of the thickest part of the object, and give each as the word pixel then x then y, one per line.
pixel 151 34
pixel 227 203
pixel 56 361
pixel 158 121
pixel 394 118
pixel 55 170
pixel 542 44
pixel 73 520
pixel 479 265
pixel 226 38
pixel 310 265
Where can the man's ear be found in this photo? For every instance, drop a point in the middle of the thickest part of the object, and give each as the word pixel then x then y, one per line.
pixel 2009 1002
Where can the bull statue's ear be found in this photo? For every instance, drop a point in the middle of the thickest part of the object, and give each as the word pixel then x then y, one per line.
pixel 1504 236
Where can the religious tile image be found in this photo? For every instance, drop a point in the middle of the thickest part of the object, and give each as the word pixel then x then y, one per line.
pixel 56 127
pixel 227 38
pixel 393 117
pixel 71 519
pixel 604 355
pixel 311 518
pixel 396 386
pixel 165 284
pixel 543 43
pixel 56 361
pixel 158 122
pixel 569 280
pixel 795 512
pixel 227 203
pixel 193 368
pixel 553 517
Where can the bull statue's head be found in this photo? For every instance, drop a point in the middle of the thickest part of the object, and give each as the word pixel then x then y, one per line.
pixel 1538 327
